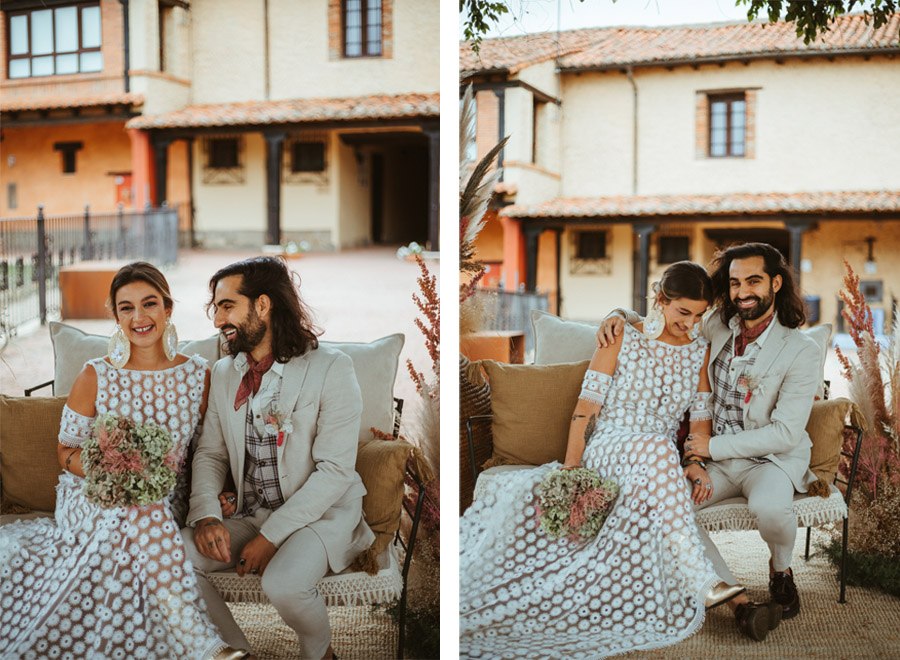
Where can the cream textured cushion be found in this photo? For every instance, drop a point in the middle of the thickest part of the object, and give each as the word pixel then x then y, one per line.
pixel 73 347
pixel 826 430
pixel 557 340
pixel 375 364
pixel 532 408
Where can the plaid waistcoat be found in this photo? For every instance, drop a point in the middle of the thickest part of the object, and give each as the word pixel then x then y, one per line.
pixel 262 487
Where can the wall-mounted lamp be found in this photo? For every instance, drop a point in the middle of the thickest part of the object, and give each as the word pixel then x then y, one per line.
pixel 871 267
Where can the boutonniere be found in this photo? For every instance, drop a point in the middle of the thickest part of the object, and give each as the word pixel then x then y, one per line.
pixel 748 385
pixel 277 422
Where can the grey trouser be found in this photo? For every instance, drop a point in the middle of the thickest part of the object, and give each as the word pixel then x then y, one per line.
pixel 770 496
pixel 289 581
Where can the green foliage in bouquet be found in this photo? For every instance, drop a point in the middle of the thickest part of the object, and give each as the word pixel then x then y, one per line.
pixel 575 503
pixel 128 464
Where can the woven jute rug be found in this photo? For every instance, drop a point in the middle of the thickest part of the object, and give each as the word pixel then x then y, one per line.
pixel 866 626
pixel 358 633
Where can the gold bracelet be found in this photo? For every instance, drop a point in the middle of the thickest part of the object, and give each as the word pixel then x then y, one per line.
pixel 69 458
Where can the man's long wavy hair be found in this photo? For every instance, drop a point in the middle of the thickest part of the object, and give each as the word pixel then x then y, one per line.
pixel 788 304
pixel 293 330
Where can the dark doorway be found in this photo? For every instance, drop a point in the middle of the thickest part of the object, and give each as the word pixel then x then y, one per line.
pixel 725 237
pixel 399 180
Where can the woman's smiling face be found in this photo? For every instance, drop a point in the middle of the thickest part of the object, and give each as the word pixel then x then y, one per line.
pixel 140 310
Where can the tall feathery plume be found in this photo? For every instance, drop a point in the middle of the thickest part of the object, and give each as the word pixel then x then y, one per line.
pixel 874 383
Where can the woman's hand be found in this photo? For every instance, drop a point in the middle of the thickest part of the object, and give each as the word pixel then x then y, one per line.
pixel 611 328
pixel 229 503
pixel 700 482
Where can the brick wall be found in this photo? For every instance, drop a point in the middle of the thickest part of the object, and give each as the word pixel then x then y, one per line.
pixel 487 122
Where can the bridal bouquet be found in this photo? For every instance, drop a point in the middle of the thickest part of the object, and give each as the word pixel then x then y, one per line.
pixel 127 464
pixel 575 503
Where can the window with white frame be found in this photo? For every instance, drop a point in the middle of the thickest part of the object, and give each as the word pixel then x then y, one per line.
pixel 53 42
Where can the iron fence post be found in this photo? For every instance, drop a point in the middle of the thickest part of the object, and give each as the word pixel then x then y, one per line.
pixel 42 264
pixel 87 250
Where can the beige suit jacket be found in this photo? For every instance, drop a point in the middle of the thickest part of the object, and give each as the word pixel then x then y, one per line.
pixel 786 375
pixel 316 462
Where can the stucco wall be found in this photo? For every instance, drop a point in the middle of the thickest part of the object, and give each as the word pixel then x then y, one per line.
pixel 596 135
pixel 819 126
pixel 826 248
pixel 354 190
pixel 228 52
pixel 534 184
pixel 542 76
pixel 37 168
pixel 312 206
pixel 299 65
pixel 518 125
pixel 590 297
pixel 222 209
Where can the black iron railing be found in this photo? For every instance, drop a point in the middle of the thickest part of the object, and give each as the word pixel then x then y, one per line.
pixel 33 249
pixel 511 310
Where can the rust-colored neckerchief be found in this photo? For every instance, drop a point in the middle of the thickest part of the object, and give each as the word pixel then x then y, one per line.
pixel 748 335
pixel 252 380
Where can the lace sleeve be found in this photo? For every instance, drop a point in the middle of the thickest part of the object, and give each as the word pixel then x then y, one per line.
pixel 595 387
pixel 700 407
pixel 74 428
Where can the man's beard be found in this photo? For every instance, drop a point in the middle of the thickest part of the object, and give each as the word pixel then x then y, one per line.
pixel 247 335
pixel 759 309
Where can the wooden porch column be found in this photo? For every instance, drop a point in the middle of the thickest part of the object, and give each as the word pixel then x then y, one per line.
pixel 641 263
pixel 143 179
pixel 274 148
pixel 797 227
pixel 434 184
pixel 532 238
pixel 160 167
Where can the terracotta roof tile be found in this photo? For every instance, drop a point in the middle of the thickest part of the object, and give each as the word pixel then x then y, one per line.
pixel 294 111
pixel 514 53
pixel 622 46
pixel 58 102
pixel 719 205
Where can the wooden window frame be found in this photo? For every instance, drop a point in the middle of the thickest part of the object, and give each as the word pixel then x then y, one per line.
pixel 80 6
pixel 659 248
pixel 728 99
pixel 364 30
pixel 213 175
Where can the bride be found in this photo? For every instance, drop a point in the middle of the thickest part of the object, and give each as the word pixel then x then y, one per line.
pixel 643 581
pixel 113 582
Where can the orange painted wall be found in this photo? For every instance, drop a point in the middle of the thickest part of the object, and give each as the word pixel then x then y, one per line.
pixel 37 168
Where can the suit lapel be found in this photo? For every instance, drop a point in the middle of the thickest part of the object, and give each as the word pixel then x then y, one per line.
pixel 769 352
pixel 237 422
pixel 718 334
pixel 293 377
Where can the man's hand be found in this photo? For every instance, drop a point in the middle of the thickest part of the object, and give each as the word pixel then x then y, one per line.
pixel 228 501
pixel 213 540
pixel 698 445
pixel 611 328
pixel 255 556
pixel 701 484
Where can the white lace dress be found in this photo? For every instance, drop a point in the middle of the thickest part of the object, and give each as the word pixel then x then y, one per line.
pixel 109 583
pixel 640 583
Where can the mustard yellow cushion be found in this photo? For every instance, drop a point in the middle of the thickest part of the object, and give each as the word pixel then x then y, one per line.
pixel 29 470
pixel 826 430
pixel 381 464
pixel 532 408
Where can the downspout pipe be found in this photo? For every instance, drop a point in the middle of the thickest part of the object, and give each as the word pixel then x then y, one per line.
pixel 126 39
pixel 629 73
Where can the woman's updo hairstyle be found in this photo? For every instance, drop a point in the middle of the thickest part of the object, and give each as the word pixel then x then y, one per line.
pixel 685 279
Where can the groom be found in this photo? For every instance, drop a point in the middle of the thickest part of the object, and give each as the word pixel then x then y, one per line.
pixel 764 374
pixel 282 422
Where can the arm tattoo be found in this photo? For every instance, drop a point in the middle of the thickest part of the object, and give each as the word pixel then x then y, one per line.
pixel 590 428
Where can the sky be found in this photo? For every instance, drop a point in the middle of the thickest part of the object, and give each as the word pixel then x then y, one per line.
pixel 527 16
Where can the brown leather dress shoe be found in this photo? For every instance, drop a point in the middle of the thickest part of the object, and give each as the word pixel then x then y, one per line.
pixel 784 592
pixel 752 620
